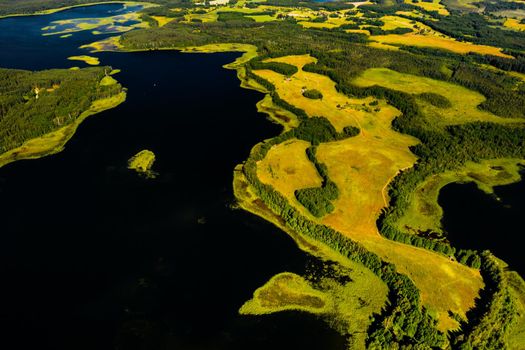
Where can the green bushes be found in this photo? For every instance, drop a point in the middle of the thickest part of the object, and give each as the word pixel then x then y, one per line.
pixel 320 19
pixel 435 100
pixel 162 11
pixel 233 17
pixel 315 130
pixel 318 200
pixel 279 67
pixel 313 94
pixel 494 313
pixel 379 31
pixel 315 200
pixel 349 26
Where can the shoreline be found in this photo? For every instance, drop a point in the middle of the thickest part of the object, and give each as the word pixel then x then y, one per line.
pixel 55 141
pixel 485 174
pixel 64 8
pixel 319 249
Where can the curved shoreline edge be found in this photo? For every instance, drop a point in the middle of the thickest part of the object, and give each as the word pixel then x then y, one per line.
pixel 60 9
pixel 55 141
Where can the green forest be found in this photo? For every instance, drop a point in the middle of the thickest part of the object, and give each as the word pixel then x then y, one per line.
pixel 35 103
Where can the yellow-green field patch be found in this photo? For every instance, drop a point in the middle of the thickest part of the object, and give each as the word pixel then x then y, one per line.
pixel 162 20
pixel 329 23
pixel 287 168
pixel 108 80
pixel 142 163
pixel 262 18
pixel 435 5
pixel 92 61
pixel 340 110
pixel 108 44
pixel 464 102
pixel 514 23
pixel 210 16
pixel 286 291
pixel 393 22
pixel 439 42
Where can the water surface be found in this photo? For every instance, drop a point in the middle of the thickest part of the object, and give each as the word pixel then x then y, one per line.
pixel 475 220
pixel 93 256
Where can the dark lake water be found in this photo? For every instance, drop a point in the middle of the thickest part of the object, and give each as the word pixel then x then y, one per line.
pixel 475 220
pixel 93 256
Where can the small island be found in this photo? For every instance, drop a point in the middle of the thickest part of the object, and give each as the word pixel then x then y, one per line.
pixel 92 61
pixel 142 163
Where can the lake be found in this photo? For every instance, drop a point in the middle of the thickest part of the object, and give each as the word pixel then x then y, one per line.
pixel 475 220
pixel 93 256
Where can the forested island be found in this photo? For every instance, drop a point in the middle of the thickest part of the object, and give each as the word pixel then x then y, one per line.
pixel 382 104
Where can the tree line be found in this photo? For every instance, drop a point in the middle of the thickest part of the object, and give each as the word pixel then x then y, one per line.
pixel 35 103
pixel 403 321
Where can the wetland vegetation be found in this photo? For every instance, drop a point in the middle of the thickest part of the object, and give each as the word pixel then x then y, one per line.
pixel 142 163
pixel 382 105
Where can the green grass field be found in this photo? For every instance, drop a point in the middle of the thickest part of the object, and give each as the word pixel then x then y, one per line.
pixel 464 102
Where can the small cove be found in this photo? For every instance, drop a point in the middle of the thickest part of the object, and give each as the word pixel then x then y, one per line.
pixel 475 220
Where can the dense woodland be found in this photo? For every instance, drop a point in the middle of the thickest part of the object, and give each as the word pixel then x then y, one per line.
pixel 495 311
pixel 35 103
